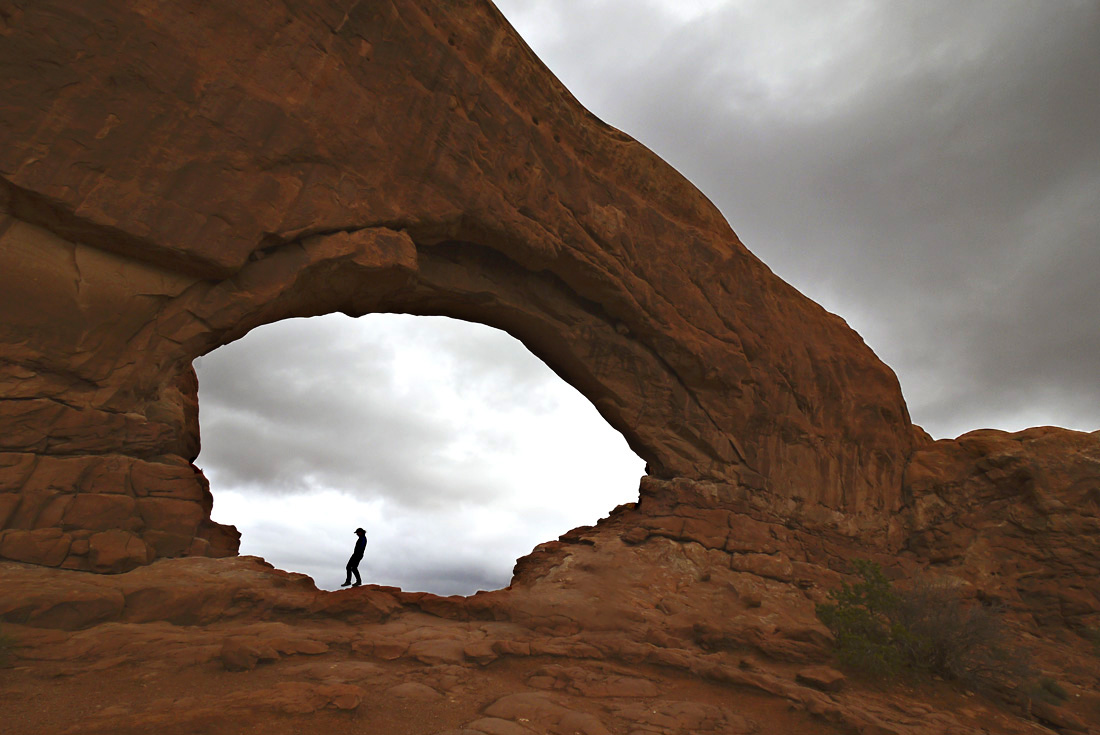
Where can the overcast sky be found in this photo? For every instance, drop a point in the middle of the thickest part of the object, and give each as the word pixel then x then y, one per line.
pixel 930 171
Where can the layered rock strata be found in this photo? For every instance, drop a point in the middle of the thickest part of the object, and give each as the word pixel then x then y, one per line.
pixel 690 611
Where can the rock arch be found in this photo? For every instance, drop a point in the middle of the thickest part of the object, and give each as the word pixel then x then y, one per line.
pixel 176 174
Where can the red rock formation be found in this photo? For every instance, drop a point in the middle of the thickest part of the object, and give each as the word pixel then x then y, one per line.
pixel 175 174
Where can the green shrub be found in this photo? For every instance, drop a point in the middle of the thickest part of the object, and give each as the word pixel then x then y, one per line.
pixel 1048 690
pixel 860 619
pixel 929 627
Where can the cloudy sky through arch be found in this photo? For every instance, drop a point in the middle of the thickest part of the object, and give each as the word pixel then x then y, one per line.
pixel 455 447
pixel 930 171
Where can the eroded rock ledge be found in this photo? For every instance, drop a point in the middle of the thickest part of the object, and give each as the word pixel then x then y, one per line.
pixel 689 611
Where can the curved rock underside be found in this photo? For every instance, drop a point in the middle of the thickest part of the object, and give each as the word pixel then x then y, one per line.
pixel 174 174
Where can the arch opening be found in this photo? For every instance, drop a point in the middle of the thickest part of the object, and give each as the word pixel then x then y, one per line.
pixel 449 441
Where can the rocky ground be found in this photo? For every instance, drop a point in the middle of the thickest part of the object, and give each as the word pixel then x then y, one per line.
pixel 667 617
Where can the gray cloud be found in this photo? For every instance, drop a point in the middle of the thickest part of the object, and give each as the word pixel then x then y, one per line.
pixel 929 171
pixel 490 367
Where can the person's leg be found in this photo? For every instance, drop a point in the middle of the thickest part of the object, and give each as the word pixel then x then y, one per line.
pixel 352 563
pixel 355 571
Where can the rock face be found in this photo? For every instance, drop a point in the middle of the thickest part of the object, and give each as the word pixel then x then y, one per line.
pixel 1018 514
pixel 173 174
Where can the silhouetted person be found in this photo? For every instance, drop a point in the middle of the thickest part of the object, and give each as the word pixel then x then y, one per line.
pixel 356 557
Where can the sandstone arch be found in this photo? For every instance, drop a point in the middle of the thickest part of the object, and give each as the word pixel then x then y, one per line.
pixel 175 174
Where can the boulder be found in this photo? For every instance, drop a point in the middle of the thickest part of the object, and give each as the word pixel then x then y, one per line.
pixel 415 692
pixel 116 551
pixel 242 653
pixel 822 677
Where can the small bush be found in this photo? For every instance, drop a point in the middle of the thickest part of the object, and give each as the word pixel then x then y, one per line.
pixel 930 627
pixel 860 620
pixel 965 641
pixel 1047 689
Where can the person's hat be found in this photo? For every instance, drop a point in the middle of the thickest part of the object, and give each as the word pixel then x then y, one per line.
pixel 360 530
